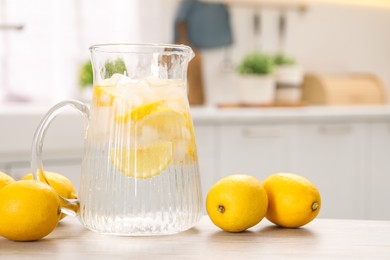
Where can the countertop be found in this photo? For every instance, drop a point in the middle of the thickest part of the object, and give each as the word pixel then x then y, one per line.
pixel 205 115
pixel 211 114
pixel 320 239
pixel 22 120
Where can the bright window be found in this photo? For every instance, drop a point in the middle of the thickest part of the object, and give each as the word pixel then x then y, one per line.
pixel 40 62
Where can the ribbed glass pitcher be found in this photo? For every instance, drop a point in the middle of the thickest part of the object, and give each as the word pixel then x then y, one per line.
pixel 139 174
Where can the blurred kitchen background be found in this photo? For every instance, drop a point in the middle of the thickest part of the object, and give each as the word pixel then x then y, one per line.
pixel 330 122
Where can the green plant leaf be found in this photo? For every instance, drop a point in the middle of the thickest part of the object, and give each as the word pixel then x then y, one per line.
pixel 112 67
pixel 86 75
pixel 282 59
pixel 257 64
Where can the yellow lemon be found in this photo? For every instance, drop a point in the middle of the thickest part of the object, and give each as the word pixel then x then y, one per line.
pixel 192 151
pixel 168 122
pixel 103 96
pixel 142 162
pixel 162 137
pixel 165 124
pixel 5 179
pixel 61 184
pixel 29 210
pixel 293 200
pixel 139 113
pixel 236 203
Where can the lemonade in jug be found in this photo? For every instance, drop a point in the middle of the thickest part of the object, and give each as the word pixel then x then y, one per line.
pixel 139 174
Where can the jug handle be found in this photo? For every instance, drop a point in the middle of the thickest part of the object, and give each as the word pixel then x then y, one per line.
pixel 68 206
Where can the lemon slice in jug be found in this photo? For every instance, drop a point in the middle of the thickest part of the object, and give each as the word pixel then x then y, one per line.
pixel 103 96
pixel 169 124
pixel 139 113
pixel 143 162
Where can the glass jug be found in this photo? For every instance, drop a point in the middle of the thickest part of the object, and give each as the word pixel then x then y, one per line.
pixel 139 173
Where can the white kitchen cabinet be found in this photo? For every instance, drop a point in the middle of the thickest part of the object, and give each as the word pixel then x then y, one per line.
pixel 344 151
pixel 378 171
pixel 69 167
pixel 331 155
pixel 257 150
pixel 62 148
pixel 205 140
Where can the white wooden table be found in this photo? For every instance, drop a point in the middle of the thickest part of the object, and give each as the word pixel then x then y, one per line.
pixel 320 239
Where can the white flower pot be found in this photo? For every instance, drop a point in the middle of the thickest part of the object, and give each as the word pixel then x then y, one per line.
pixel 288 84
pixel 257 90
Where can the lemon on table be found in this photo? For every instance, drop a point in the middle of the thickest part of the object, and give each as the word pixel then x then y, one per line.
pixel 61 184
pixel 293 200
pixel 29 210
pixel 5 179
pixel 144 161
pixel 236 203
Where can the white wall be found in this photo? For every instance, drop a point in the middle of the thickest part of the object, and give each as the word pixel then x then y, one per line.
pixel 40 63
pixel 42 60
pixel 326 39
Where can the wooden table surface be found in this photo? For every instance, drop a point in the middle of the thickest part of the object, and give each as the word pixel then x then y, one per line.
pixel 320 239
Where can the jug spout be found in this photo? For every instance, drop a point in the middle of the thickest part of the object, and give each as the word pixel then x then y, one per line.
pixel 191 54
pixel 139 61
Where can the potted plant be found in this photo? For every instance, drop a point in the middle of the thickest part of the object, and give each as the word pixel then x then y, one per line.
pixel 256 81
pixel 85 75
pixel 85 80
pixel 289 77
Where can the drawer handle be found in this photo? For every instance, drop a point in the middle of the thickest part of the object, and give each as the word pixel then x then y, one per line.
pixel 9 27
pixel 260 133
pixel 335 130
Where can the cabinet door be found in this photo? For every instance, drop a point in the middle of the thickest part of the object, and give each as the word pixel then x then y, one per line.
pixel 332 157
pixel 69 167
pixel 379 171
pixel 205 142
pixel 254 150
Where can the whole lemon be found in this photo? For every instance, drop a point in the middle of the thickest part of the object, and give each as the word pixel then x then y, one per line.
pixel 293 200
pixel 5 179
pixel 61 184
pixel 29 210
pixel 236 203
